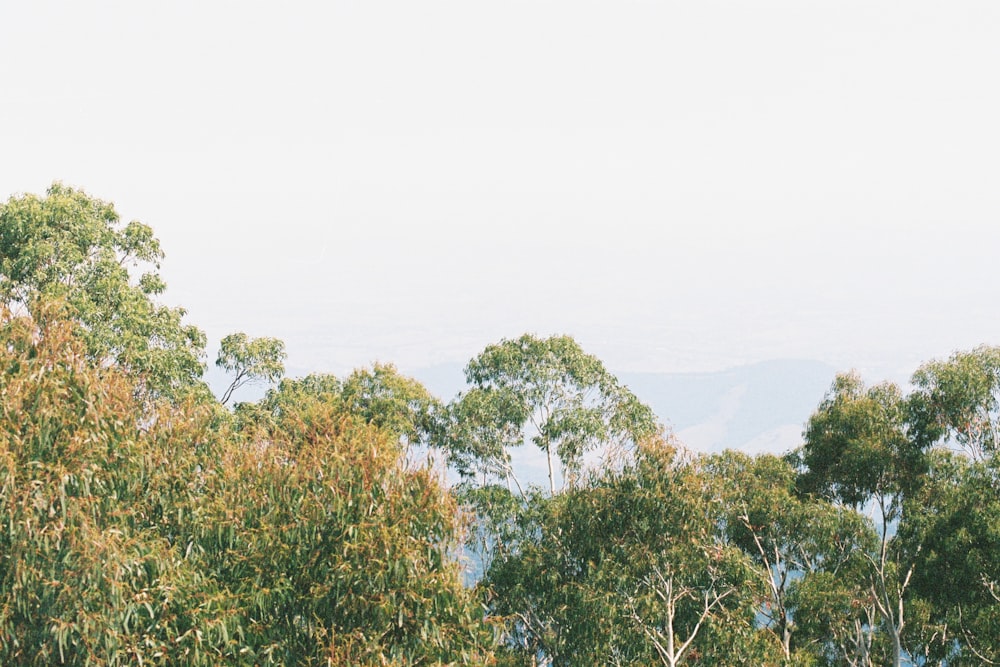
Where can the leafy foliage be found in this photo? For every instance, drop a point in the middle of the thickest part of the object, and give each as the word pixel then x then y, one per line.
pixel 547 390
pixel 379 396
pixel 250 360
pixel 806 551
pixel 85 577
pixel 174 541
pixel 143 523
pixel 960 399
pixel 856 444
pixel 629 568
pixel 70 246
pixel 393 402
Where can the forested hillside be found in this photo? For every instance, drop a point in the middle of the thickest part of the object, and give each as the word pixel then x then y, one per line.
pixel 147 521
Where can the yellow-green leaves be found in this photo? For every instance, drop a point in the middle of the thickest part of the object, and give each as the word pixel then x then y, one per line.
pixel 250 360
pixel 132 534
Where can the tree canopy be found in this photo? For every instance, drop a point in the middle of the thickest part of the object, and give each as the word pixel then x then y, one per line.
pixel 71 246
pixel 250 360
pixel 180 542
pixel 548 391
pixel 146 522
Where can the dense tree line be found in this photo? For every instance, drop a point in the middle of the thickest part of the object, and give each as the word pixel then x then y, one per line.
pixel 142 521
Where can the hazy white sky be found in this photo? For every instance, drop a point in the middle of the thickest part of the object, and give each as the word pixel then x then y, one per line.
pixel 680 185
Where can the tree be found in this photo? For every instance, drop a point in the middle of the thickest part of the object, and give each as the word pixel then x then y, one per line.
pixel 955 585
pixel 250 360
pixel 859 451
pixel 955 515
pixel 550 391
pixel 482 425
pixel 172 540
pixel 803 547
pixel 70 246
pixel 924 467
pixel 958 401
pixel 281 401
pixel 380 396
pixel 87 576
pixel 628 567
pixel 336 551
pixel 397 404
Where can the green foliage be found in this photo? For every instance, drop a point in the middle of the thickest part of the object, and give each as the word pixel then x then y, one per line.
pixel 547 390
pixel 283 400
pixel 70 246
pixel 931 583
pixel 956 525
pixel 334 549
pixel 483 425
pixel 805 549
pixel 629 568
pixel 857 445
pixel 379 396
pixel 142 523
pixel 393 402
pixel 166 539
pixel 960 399
pixel 250 360
pixel 85 577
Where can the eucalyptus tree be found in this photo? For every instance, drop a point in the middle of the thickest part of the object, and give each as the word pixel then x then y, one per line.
pixel 70 246
pixel 955 586
pixel 87 576
pixel 924 466
pixel 548 391
pixel 859 451
pixel 250 360
pixel 336 551
pixel 806 551
pixel 395 403
pixel 629 567
pixel 299 540
pixel 379 395
pixel 954 409
pixel 544 390
pixel 957 402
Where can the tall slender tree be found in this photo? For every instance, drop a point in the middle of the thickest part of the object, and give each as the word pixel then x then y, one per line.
pixel 550 392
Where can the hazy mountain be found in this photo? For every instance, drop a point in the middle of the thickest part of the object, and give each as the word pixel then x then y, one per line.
pixel 761 407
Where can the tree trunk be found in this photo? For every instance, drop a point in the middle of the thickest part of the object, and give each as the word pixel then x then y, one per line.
pixel 552 479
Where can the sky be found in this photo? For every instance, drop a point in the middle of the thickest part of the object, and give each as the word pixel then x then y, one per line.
pixel 682 186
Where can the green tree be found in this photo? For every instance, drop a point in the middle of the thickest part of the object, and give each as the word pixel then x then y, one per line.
pixel 957 401
pixel 380 396
pixel 335 550
pixel 71 246
pixel 629 567
pixel 283 400
pixel 955 516
pixel 395 403
pixel 955 582
pixel 859 451
pixel 550 391
pixel 806 551
pixel 87 576
pixel 481 427
pixel 250 360
pixel 304 539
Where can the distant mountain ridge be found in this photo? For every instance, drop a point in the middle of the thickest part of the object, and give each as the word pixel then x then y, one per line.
pixel 759 407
